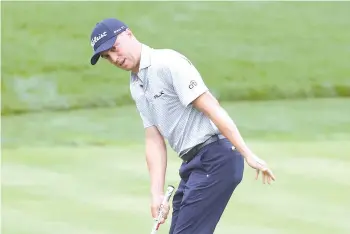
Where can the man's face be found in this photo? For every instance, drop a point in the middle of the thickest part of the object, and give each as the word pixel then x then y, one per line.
pixel 122 54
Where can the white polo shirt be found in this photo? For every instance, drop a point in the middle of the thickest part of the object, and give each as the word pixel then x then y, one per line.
pixel 163 90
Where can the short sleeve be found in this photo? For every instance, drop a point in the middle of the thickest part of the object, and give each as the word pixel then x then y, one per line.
pixel 187 81
pixel 145 114
pixel 146 121
pixel 142 105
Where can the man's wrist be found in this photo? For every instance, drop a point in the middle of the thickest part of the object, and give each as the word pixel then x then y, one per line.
pixel 157 191
pixel 246 153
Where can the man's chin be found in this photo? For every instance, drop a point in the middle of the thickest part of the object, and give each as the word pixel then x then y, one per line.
pixel 123 68
pixel 126 68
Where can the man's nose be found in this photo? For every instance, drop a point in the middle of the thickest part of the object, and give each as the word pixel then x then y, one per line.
pixel 114 58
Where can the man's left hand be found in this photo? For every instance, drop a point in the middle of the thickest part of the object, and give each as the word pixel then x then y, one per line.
pixel 260 166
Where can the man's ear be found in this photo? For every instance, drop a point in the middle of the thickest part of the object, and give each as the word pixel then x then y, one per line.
pixel 128 32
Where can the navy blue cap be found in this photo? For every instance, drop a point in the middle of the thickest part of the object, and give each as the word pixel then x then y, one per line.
pixel 104 35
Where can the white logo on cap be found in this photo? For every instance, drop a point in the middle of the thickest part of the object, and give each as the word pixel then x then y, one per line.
pixel 119 29
pixel 94 40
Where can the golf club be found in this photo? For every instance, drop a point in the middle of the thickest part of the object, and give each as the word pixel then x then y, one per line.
pixel 167 197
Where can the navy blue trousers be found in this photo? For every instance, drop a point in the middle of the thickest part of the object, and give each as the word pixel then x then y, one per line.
pixel 207 183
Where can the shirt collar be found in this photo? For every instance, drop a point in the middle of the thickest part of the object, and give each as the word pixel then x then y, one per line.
pixel 145 61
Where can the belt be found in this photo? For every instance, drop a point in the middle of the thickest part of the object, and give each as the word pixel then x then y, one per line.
pixel 193 152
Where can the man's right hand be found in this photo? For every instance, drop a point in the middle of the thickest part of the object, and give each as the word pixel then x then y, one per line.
pixel 156 204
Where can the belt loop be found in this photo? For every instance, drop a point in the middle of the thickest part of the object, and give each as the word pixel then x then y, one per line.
pixel 217 139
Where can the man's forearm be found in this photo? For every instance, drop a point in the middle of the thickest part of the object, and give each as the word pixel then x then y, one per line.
pixel 157 162
pixel 207 104
pixel 229 129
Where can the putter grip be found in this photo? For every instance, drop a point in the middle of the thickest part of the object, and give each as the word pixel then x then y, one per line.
pixel 169 191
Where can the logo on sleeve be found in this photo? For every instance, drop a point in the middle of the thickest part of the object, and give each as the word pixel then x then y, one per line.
pixel 192 84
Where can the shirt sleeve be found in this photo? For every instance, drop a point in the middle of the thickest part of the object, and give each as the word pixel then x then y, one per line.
pixel 146 116
pixel 142 105
pixel 187 81
pixel 146 121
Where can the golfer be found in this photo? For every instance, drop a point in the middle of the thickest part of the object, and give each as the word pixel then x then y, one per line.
pixel 176 106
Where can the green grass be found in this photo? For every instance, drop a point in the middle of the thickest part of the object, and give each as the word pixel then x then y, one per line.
pixel 84 171
pixel 105 190
pixel 324 119
pixel 244 50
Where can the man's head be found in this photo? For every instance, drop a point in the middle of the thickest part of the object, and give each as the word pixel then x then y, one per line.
pixel 113 40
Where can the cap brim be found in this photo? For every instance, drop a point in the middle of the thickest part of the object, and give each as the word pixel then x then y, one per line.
pixel 105 46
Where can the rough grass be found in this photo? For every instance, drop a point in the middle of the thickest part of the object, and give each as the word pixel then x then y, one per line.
pixel 244 50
